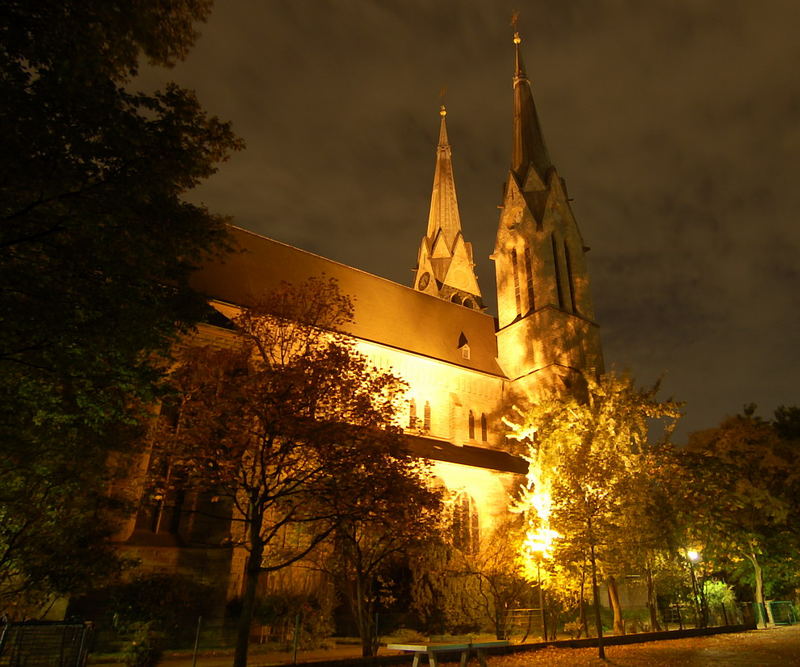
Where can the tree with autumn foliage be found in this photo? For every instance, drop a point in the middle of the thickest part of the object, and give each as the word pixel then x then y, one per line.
pixel 499 584
pixel 470 585
pixel 740 480
pixel 289 423
pixel 395 511
pixel 584 453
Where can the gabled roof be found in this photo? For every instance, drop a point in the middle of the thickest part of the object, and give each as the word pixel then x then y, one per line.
pixel 385 312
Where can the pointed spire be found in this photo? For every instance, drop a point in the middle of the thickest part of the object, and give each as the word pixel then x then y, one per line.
pixel 519 66
pixel 444 265
pixel 528 148
pixel 444 206
pixel 443 127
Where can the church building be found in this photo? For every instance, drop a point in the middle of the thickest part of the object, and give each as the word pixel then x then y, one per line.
pixel 464 366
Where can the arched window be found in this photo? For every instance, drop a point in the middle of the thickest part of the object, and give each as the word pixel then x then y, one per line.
pixel 455 298
pixel 529 275
pixel 469 303
pixel 471 425
pixel 515 269
pixel 570 280
pixel 557 272
pixel 484 428
pixel 161 511
pixel 466 526
pixel 426 424
pixel 412 414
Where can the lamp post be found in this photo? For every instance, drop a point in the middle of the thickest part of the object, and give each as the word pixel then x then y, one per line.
pixel 541 599
pixel 693 556
pixel 538 544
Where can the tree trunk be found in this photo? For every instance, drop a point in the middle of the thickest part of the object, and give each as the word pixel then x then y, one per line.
pixel 542 609
pixel 362 613
pixel 252 572
pixel 582 620
pixel 601 651
pixel 501 620
pixel 613 597
pixel 760 603
pixel 704 614
pixel 652 601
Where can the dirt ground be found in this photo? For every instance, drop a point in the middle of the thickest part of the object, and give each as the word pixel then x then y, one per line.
pixel 757 648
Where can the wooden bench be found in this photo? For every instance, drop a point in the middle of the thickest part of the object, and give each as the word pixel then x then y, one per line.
pixel 431 649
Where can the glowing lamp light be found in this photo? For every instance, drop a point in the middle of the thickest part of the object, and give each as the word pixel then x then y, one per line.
pixel 540 542
pixel 693 555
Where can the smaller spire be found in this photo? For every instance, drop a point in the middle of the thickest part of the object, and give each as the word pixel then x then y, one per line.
pixel 444 266
pixel 444 206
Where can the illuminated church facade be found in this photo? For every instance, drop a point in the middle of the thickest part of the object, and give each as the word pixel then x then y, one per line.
pixel 463 366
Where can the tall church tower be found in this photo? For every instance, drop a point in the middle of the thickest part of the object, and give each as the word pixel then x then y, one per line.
pixel 444 263
pixel 546 327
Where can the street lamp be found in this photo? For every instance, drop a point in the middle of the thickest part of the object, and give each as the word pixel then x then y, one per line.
pixel 539 543
pixel 693 556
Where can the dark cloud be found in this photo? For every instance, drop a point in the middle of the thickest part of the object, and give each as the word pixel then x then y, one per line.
pixel 674 123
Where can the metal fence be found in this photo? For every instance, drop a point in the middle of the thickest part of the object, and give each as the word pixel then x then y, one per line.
pixel 686 615
pixel 44 644
pixel 57 645
pixel 781 612
pixel 527 623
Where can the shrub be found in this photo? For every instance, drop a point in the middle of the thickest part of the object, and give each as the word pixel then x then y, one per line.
pixel 279 612
pixel 167 604
pixel 145 647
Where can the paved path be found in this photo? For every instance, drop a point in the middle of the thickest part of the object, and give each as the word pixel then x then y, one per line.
pixel 774 647
pixel 256 658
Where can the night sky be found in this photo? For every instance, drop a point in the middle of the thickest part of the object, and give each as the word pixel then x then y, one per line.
pixel 675 124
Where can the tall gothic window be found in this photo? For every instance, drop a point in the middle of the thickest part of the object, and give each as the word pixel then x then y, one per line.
pixel 557 272
pixel 570 279
pixel 529 276
pixel 426 424
pixel 484 428
pixel 471 425
pixel 162 511
pixel 412 414
pixel 466 526
pixel 515 269
pixel 162 508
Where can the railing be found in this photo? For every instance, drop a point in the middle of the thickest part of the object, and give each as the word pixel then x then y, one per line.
pixel 50 644
pixel 781 612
